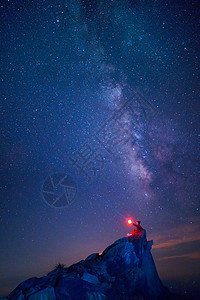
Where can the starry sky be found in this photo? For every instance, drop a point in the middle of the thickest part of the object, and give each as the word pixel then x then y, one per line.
pixel 100 123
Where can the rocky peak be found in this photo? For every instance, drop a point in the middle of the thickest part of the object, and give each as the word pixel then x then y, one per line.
pixel 124 270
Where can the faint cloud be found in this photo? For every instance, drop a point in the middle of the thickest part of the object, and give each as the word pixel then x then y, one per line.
pixel 176 242
pixel 193 255
pixel 181 235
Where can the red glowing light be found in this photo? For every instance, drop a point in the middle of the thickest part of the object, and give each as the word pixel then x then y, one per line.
pixel 130 221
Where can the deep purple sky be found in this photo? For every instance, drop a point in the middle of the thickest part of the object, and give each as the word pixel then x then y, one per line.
pixel 68 68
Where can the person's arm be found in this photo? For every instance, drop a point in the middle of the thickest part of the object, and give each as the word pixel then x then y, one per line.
pixel 134 224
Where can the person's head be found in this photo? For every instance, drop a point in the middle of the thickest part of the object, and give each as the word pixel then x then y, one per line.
pixel 138 222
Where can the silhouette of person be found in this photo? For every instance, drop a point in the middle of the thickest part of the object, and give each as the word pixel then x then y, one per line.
pixel 138 226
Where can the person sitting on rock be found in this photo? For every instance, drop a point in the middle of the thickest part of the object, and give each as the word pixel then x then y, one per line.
pixel 138 226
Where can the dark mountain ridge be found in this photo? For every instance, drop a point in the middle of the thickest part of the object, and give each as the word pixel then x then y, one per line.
pixel 124 270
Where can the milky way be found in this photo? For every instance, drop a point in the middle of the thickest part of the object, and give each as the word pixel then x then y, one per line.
pixel 106 93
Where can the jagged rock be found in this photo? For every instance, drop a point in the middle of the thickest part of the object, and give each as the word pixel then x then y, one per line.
pixel 90 278
pixel 125 270
pixel 74 288
pixel 92 256
pixel 25 285
pixel 45 294
pixel 95 296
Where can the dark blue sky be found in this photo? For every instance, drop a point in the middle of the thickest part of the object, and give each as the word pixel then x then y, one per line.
pixel 114 86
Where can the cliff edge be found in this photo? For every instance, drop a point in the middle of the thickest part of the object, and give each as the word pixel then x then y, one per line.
pixel 124 270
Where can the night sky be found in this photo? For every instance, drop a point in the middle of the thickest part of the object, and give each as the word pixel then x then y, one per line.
pixel 100 122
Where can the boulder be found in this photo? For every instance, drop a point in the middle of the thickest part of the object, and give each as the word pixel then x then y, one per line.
pixel 74 289
pixel 90 278
pixel 45 294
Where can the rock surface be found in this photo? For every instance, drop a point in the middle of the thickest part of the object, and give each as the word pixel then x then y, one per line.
pixel 125 270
